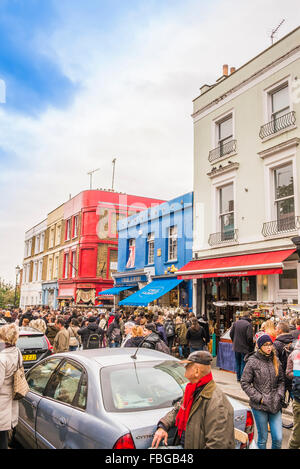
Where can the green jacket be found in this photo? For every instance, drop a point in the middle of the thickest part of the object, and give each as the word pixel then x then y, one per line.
pixel 211 421
pixel 180 331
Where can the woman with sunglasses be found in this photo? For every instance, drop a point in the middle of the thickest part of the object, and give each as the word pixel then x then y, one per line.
pixel 263 382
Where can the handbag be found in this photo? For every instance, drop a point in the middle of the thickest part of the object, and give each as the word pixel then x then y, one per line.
pixel 73 339
pixel 20 385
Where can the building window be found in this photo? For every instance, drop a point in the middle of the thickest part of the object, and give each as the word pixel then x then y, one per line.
pixel 42 242
pixel 40 270
pixel 51 237
pixel 56 265
pixel 68 230
pixel 288 280
pixel 226 212
pixel 73 261
pixel 284 197
pixel 172 243
pixel 131 254
pixel 75 227
pixel 58 235
pixel 37 245
pixel 35 272
pixel 224 133
pixel 150 248
pixel 279 102
pixel 66 266
pixel 50 262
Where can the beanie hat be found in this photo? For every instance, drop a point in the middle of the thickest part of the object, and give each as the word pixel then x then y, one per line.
pixel 262 339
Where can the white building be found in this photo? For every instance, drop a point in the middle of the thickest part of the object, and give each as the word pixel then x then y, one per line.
pixel 246 183
pixel 31 288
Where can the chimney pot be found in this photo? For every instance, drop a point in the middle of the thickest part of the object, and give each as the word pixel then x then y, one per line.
pixel 225 70
pixel 232 70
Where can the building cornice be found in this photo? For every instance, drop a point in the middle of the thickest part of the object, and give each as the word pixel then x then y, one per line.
pixel 293 142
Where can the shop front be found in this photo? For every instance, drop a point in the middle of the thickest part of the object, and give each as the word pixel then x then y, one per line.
pixel 50 294
pixel 128 283
pixel 226 286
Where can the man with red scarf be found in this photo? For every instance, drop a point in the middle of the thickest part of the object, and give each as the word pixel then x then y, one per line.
pixel 204 417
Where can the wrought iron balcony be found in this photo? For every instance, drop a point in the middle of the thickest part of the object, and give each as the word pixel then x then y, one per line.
pixel 223 237
pixel 222 150
pixel 283 225
pixel 278 124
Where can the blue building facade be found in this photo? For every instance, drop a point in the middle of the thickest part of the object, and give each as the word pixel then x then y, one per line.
pixel 152 245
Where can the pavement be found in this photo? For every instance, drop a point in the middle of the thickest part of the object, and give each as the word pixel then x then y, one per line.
pixel 227 381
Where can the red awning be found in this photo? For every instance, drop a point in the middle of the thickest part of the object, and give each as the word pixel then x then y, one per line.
pixel 263 263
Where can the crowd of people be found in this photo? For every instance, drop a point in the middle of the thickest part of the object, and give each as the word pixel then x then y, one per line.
pixel 267 363
pixel 170 330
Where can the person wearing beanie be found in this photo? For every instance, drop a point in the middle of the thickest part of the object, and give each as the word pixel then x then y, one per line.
pixel 263 381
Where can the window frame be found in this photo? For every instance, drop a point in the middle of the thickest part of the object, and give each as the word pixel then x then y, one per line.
pixel 171 238
pixel 150 248
pixel 223 214
pixel 84 373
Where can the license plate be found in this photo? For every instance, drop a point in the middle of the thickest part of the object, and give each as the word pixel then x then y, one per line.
pixel 27 358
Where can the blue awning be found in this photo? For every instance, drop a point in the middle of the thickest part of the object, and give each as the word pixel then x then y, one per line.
pixel 151 292
pixel 113 291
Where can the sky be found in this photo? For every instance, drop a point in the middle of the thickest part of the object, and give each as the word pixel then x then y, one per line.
pixel 87 81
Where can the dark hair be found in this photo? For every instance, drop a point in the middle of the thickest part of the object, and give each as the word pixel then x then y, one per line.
pixel 74 322
pixel 60 320
pixel 284 327
pixel 195 324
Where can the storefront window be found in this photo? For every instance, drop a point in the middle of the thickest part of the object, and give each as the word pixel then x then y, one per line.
pixel 288 280
pixel 248 288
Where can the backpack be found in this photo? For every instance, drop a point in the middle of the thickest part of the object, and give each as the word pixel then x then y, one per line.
pixel 286 351
pixel 93 341
pixel 116 333
pixel 162 347
pixel 170 329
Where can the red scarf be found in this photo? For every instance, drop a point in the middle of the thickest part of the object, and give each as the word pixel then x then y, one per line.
pixel 188 399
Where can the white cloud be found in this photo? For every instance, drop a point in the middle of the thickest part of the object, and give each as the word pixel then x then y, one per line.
pixel 134 105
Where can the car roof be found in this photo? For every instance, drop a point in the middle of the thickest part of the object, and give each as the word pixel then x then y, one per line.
pixel 24 330
pixel 119 356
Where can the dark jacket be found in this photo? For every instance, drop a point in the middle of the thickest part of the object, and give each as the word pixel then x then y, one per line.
pixel 210 424
pixel 196 339
pixel 153 342
pixel 259 381
pixel 161 331
pixel 295 333
pixel 205 326
pixel 241 334
pixel 86 331
pixel 114 331
pixel 280 343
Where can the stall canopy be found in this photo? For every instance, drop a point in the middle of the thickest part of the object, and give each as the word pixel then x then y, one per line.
pixel 113 291
pixel 151 292
pixel 263 263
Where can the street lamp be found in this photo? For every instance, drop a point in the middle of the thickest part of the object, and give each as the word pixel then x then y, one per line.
pixel 18 270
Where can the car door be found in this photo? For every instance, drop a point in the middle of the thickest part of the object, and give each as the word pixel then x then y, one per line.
pixel 37 379
pixel 55 410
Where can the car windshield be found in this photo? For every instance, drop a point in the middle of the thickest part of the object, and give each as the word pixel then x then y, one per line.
pixel 142 386
pixel 31 341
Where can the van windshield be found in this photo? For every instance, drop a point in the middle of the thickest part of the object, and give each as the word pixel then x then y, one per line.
pixel 142 386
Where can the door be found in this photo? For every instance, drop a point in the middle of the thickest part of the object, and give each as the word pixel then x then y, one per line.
pixel 57 407
pixel 37 379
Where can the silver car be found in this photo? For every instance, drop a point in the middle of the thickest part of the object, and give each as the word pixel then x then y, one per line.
pixel 104 398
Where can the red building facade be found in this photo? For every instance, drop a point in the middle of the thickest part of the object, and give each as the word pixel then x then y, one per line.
pixel 90 252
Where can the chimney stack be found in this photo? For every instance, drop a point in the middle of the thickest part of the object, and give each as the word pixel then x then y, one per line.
pixel 225 70
pixel 232 70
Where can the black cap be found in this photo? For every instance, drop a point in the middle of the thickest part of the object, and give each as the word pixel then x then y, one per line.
pixel 202 357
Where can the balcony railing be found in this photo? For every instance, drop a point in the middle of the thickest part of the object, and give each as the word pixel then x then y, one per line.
pixel 223 237
pixel 222 150
pixel 278 124
pixel 283 225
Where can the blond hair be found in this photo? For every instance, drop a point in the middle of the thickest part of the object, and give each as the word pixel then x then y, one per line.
pixel 269 328
pixel 38 324
pixel 9 334
pixel 137 331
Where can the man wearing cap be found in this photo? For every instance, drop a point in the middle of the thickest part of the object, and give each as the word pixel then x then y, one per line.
pixel 204 416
